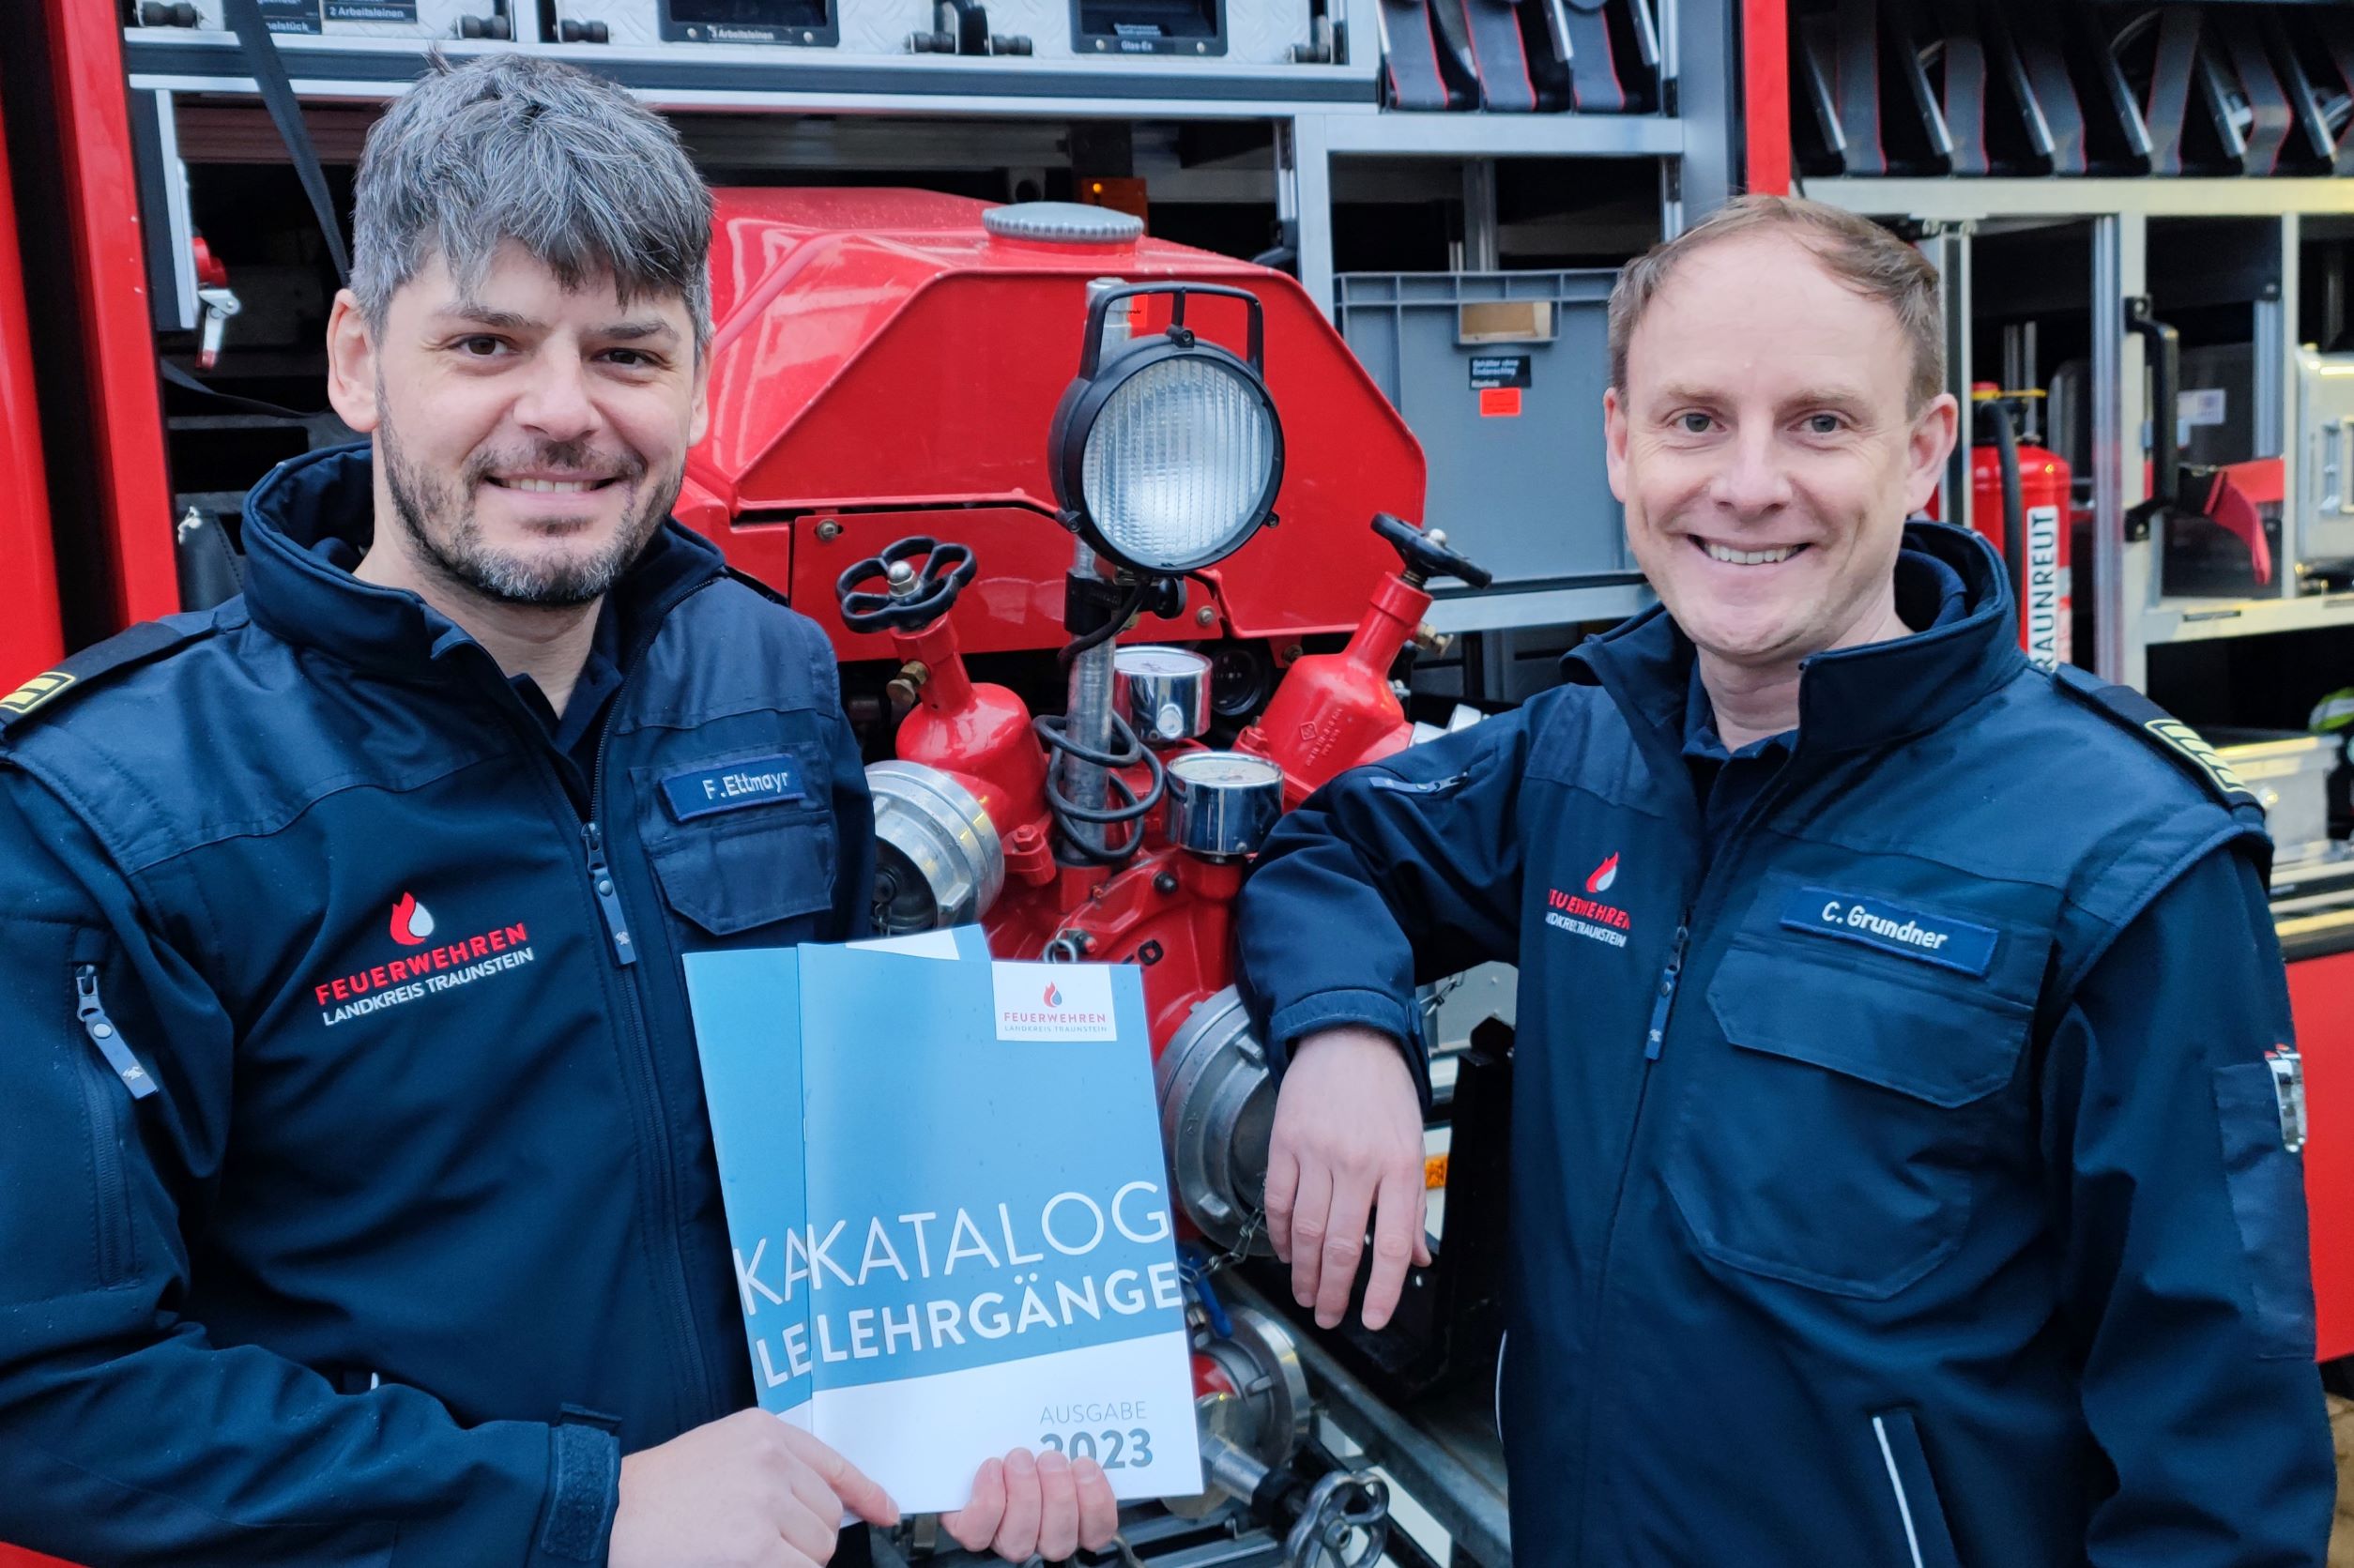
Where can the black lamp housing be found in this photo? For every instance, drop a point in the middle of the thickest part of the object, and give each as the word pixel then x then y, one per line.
pixel 1100 378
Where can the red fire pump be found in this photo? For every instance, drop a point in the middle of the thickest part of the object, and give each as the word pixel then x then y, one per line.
pixel 2020 500
pixel 884 361
pixel 884 367
pixel 1110 833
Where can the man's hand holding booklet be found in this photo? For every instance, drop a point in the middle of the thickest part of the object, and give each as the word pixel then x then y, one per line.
pixel 952 1227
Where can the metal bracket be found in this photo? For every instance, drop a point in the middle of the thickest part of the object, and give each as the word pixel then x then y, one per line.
pixel 215 307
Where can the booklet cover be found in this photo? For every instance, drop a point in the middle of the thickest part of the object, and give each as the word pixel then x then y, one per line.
pixel 946 1198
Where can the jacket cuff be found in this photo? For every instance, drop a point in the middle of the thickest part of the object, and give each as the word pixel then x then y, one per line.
pixel 584 1460
pixel 1374 1010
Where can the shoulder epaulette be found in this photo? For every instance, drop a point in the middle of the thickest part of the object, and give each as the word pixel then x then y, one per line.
pixel 143 644
pixel 2169 736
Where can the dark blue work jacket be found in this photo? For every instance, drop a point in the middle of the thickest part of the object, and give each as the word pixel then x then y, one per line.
pixel 398 1222
pixel 1897 1175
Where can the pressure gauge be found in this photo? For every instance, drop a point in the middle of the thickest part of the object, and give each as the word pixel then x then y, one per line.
pixel 1163 693
pixel 1223 804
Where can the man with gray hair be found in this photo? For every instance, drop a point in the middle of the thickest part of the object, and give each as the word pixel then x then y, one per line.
pixel 357 1196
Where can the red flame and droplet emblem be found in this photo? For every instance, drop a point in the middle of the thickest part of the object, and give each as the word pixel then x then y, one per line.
pixel 412 922
pixel 1054 998
pixel 1604 874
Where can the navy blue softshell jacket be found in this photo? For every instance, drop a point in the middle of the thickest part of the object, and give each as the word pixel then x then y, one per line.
pixel 418 1230
pixel 1897 1175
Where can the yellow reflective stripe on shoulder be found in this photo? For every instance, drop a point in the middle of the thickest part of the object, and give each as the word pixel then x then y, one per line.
pixel 2188 741
pixel 36 692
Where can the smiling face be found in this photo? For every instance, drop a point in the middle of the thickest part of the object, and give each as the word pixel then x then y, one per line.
pixel 529 438
pixel 1765 454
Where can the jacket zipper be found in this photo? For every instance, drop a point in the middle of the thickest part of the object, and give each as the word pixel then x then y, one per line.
pixel 1657 1035
pixel 600 876
pixel 1655 1041
pixel 91 1010
pixel 656 1130
pixel 113 1240
pixel 643 1088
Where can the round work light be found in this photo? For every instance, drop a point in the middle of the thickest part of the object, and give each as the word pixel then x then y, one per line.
pixel 1167 451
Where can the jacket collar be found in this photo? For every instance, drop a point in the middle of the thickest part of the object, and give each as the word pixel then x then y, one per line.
pixel 308 523
pixel 1854 697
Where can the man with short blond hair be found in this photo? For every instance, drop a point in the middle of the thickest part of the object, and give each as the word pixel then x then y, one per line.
pixel 1904 1121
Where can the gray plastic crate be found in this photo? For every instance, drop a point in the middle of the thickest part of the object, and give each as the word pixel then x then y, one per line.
pixel 1516 481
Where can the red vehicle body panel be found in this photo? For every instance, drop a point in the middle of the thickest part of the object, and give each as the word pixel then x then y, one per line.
pixel 2319 991
pixel 32 637
pixel 1765 96
pixel 128 498
pixel 883 362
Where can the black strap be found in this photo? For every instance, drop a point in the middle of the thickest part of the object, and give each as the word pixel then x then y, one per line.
pixel 1814 72
pixel 1593 71
pixel 1410 65
pixel 269 74
pixel 1857 85
pixel 2267 106
pixel 1965 89
pixel 181 379
pixel 1493 32
pixel 2336 34
pixel 2042 45
pixel 2172 52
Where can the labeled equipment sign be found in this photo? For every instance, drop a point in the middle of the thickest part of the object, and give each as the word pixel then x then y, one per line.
pixel 304 16
pixel 1499 379
pixel 1491 371
pixel 290 16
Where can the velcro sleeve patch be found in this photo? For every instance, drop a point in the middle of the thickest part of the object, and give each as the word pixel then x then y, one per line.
pixel 1940 939
pixel 732 786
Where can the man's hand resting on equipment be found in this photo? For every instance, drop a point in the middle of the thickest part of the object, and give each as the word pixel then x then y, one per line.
pixel 1347 1145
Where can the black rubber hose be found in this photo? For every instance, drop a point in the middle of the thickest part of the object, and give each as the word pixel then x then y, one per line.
pixel 1110 629
pixel 1053 731
pixel 2015 502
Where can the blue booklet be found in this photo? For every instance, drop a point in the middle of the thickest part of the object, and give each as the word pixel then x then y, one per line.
pixel 952 1229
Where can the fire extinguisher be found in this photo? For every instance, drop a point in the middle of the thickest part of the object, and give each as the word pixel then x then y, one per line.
pixel 2019 499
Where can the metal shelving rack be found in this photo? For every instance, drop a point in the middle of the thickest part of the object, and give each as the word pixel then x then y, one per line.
pixel 193 98
pixel 1318 123
pixel 2133 612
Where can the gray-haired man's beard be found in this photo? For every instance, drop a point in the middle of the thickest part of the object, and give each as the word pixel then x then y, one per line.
pixel 441 523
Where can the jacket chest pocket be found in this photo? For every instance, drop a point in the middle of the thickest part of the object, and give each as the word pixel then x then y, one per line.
pixel 761 864
pixel 1836 1143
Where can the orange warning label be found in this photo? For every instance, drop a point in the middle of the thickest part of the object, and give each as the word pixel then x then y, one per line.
pixel 1499 402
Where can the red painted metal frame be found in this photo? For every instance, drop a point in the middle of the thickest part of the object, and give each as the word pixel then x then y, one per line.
pixel 882 366
pixel 32 634
pixel 17 1556
pixel 2319 990
pixel 1765 94
pixel 129 497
